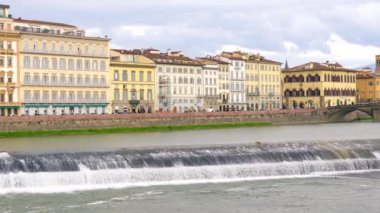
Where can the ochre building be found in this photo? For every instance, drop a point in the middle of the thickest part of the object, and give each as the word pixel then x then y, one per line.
pixel 133 79
pixel 60 70
pixel 368 86
pixel 315 85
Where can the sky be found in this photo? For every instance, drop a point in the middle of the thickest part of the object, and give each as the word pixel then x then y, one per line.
pixel 300 31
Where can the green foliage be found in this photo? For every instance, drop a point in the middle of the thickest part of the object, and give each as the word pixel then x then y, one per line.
pixel 127 129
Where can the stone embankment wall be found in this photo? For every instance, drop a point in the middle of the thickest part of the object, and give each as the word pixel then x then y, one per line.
pixel 160 119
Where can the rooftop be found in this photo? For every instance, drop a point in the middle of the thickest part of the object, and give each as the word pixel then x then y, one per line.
pixel 170 58
pixel 315 66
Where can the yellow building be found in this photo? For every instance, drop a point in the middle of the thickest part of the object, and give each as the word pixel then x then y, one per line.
pixel 318 85
pixel 368 86
pixel 9 73
pixel 60 70
pixel 132 78
pixel 263 83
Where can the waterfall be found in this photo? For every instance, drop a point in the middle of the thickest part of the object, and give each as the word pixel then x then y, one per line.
pixel 20 172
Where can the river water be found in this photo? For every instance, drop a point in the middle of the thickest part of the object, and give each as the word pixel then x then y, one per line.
pixel 305 168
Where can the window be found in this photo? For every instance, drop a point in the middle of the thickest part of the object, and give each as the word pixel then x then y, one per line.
pixel 125 75
pixel 27 78
pixel 26 62
pixel 116 75
pixel 36 62
pixel 116 95
pixel 9 64
pixel 79 96
pixel 79 64
pixel 141 76
pixel 150 95
pixel 125 95
pixel 141 94
pixel 149 76
pixel 133 76
pixel 71 64
pixel 87 65
pixel 95 65
pixel 45 79
pixel 27 96
pixel 62 64
pixel 54 63
pixel 79 80
pixel 103 80
pixel 102 66
pixel 45 63
pixel 54 79
pixel 54 96
pixel 71 79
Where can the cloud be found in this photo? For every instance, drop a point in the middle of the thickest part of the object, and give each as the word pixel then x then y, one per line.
pixel 338 49
pixel 295 29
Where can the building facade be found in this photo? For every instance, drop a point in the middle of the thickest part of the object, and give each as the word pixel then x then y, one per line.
pixel 9 74
pixel 133 78
pixel 236 62
pixel 60 70
pixel 263 83
pixel 368 86
pixel 210 78
pixel 179 85
pixel 315 85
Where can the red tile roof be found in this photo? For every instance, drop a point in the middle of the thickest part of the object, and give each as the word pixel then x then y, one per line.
pixel 314 66
pixel 163 58
pixel 42 22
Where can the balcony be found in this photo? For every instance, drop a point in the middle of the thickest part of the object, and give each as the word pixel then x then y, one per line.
pixel 10 104
pixel 6 51
pixel 63 101
pixel 253 93
pixel 65 84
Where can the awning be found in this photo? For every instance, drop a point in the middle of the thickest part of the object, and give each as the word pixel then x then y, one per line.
pixel 36 105
pixel 96 105
pixel 68 105
pixel 9 107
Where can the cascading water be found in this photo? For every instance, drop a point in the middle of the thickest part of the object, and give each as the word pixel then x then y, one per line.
pixel 83 171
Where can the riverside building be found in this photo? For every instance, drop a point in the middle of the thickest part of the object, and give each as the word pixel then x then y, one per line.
pixel 237 99
pixel 210 79
pixel 263 83
pixel 315 85
pixel 132 77
pixel 61 70
pixel 179 83
pixel 368 86
pixel 9 67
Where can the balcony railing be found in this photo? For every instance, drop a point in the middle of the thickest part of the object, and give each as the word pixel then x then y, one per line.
pixel 64 84
pixel 62 101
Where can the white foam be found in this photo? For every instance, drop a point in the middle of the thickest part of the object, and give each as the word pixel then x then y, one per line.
pixel 85 179
pixel 377 154
pixel 4 155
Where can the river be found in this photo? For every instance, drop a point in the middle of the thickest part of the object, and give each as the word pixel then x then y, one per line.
pixel 299 168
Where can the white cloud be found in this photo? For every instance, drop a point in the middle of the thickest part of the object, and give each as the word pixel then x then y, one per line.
pixel 338 49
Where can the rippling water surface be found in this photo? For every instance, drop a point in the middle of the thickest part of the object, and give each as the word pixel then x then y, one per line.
pixel 310 168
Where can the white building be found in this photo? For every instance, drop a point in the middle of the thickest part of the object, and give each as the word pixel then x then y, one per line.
pixel 237 99
pixel 179 83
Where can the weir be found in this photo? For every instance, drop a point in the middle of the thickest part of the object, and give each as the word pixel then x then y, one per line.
pixel 78 171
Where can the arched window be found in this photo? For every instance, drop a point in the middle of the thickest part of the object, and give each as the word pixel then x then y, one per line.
pixel 294 78
pixel 317 92
pixel 301 78
pixel 287 93
pixel 317 78
pixel 301 93
pixel 294 93
pixel 310 92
